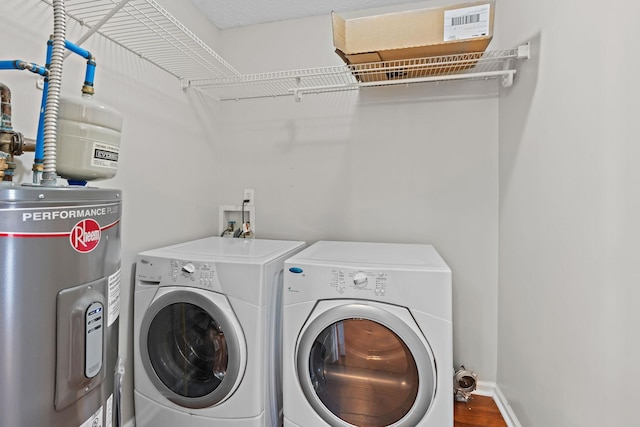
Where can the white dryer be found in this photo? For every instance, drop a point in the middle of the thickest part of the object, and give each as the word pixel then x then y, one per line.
pixel 367 337
pixel 207 333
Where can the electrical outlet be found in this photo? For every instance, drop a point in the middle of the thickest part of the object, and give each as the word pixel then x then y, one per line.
pixel 248 195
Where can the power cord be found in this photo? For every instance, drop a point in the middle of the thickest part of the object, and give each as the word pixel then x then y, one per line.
pixel 240 231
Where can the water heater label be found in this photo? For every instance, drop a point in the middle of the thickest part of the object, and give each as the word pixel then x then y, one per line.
pixel 109 420
pixel 95 420
pixel 85 235
pixel 105 155
pixel 114 297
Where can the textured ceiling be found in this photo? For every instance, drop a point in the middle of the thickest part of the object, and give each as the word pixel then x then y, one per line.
pixel 236 13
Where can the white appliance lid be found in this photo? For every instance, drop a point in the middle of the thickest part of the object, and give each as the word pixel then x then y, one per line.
pixel 226 248
pixel 405 255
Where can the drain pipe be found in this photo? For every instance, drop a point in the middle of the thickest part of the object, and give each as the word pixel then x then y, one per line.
pixel 49 176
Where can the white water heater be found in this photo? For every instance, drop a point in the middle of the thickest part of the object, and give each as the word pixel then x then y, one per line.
pixel 88 139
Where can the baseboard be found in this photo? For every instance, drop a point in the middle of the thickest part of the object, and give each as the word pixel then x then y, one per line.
pixel 491 389
pixel 485 388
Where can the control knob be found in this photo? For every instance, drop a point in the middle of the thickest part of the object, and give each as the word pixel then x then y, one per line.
pixel 189 268
pixel 360 279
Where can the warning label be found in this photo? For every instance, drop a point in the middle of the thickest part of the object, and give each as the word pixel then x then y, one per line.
pixel 109 414
pixel 114 298
pixel 105 155
pixel 95 420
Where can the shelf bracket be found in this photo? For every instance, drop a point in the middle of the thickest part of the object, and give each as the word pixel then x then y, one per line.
pixel 524 51
pixel 98 25
pixel 507 77
pixel 296 92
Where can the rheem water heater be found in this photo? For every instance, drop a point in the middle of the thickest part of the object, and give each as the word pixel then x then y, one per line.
pixel 59 305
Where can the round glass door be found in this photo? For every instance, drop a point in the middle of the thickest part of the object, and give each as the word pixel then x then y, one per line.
pixel 365 368
pixel 188 350
pixel 191 350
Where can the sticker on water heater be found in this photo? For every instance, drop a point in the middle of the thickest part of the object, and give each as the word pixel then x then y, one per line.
pixel 114 298
pixel 85 235
pixel 105 155
pixel 95 420
pixel 109 413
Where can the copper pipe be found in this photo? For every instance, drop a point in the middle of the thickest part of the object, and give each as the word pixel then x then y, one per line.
pixel 28 145
pixel 12 143
pixel 5 109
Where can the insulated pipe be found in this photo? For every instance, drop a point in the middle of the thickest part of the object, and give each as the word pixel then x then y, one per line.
pixel 91 66
pixel 53 95
pixel 39 152
pixel 18 64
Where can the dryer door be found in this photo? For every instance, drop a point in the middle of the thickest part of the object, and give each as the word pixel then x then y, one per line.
pixel 365 365
pixel 192 347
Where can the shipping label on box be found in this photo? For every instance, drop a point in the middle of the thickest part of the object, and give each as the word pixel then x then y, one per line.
pixel 467 22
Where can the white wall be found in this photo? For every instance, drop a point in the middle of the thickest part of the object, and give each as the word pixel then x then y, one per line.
pixel 169 192
pixel 569 203
pixel 408 164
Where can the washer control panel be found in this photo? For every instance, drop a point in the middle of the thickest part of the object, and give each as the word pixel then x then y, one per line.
pixel 193 273
pixel 366 281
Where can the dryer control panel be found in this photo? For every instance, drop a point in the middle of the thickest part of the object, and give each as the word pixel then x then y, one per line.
pixel 365 281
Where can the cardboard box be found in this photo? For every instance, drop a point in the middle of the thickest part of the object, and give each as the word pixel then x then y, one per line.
pixel 388 40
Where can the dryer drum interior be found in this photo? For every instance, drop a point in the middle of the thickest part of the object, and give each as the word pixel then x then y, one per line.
pixel 354 363
pixel 365 372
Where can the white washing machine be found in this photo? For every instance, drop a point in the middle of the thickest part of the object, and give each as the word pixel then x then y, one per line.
pixel 367 337
pixel 207 333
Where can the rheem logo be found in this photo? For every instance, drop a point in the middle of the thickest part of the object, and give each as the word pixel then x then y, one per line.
pixel 85 236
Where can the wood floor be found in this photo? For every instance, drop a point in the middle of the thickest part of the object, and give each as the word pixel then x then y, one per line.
pixel 481 411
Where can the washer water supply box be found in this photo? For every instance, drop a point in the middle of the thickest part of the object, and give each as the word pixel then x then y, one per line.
pixel 381 39
pixel 88 139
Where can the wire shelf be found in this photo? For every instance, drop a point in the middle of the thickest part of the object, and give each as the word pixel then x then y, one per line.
pixel 148 30
pixel 276 84
pixel 477 65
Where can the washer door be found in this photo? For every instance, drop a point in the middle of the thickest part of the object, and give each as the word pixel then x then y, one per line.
pixel 365 365
pixel 192 347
